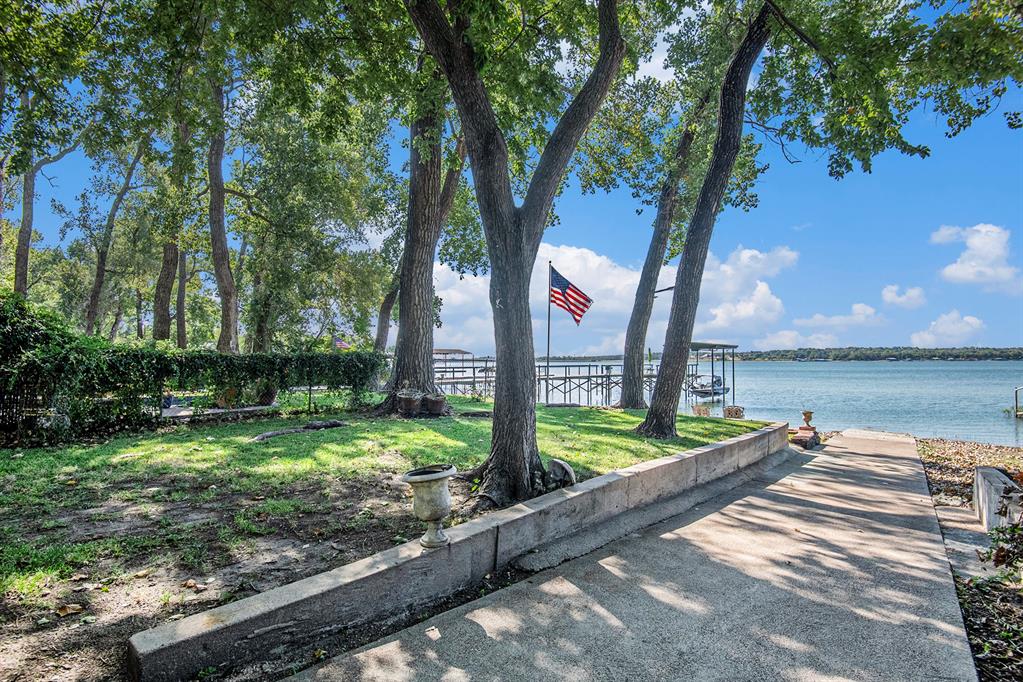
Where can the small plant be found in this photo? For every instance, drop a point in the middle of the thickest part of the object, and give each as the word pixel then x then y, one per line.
pixel 1006 551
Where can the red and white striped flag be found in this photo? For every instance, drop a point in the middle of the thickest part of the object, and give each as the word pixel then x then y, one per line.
pixel 568 296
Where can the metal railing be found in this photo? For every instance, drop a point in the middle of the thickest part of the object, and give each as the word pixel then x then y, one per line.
pixel 593 384
pixel 1015 402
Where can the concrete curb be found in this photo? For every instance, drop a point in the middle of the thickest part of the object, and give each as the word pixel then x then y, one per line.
pixel 997 499
pixel 408 576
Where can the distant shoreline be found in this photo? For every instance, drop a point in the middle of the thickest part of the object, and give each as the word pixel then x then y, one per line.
pixel 851 354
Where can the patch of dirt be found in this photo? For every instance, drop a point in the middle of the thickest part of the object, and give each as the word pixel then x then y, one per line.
pixel 993 614
pixel 950 464
pixel 202 558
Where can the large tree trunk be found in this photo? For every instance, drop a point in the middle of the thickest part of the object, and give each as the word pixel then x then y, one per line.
pixel 106 238
pixel 28 194
pixel 431 195
pixel 413 350
pixel 164 288
pixel 179 308
pixel 228 340
pixel 384 319
pixel 660 418
pixel 635 335
pixel 513 471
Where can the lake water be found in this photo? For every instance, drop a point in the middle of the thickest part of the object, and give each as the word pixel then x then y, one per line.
pixel 963 400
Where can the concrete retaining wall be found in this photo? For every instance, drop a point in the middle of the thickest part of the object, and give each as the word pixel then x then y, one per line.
pixel 405 577
pixel 997 499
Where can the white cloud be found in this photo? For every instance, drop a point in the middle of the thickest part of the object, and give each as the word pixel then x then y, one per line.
pixel 861 314
pixel 946 234
pixel 748 312
pixel 913 297
pixel 950 329
pixel 789 339
pixel 985 261
pixel 735 299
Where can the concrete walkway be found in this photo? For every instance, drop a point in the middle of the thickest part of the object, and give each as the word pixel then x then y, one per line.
pixel 831 567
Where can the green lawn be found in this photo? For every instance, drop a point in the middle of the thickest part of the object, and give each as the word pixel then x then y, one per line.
pixel 216 466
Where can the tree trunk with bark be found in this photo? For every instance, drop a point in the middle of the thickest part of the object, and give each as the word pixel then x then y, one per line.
pixel 24 245
pixel 179 308
pixel 639 321
pixel 660 418
pixel 118 319
pixel 431 195
pixel 140 326
pixel 384 318
pixel 106 238
pixel 220 251
pixel 164 288
pixel 513 471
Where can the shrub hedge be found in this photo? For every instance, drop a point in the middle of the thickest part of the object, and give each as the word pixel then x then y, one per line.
pixel 56 385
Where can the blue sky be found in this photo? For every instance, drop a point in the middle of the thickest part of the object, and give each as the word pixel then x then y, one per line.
pixel 810 265
pixel 806 268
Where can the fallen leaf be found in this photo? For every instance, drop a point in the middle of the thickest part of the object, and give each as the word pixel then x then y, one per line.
pixel 68 609
pixel 189 583
pixel 79 576
pixel 143 573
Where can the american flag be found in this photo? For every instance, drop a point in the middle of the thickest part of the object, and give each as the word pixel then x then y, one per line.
pixel 568 296
pixel 339 343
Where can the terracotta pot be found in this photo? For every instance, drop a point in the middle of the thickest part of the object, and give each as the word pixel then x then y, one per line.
pixel 409 403
pixel 435 403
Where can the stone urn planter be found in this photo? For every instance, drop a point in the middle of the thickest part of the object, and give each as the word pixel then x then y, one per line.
pixel 807 416
pixel 431 500
pixel 409 402
pixel 435 403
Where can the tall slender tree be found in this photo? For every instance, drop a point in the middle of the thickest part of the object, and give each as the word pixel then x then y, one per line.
pixel 513 470
pixel 855 107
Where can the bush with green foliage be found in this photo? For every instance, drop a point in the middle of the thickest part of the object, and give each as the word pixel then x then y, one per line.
pixel 56 385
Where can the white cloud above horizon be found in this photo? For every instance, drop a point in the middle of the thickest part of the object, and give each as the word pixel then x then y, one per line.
pixel 949 329
pixel 790 339
pixel 860 314
pixel 735 299
pixel 984 261
pixel 912 297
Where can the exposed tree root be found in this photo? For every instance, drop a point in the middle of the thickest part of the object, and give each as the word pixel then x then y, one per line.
pixel 311 426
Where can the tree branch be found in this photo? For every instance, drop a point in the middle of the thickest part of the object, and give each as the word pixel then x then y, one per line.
pixel 454 174
pixel 570 129
pixel 806 39
pixel 485 141
pixel 54 158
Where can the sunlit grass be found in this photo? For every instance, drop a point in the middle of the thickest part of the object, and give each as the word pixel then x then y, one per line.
pixel 196 465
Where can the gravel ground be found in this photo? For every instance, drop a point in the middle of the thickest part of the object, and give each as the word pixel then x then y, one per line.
pixel 950 464
pixel 992 608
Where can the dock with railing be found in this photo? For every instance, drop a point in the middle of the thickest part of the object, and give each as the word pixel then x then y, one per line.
pixel 594 383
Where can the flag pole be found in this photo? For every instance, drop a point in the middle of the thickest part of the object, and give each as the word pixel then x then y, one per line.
pixel 547 379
